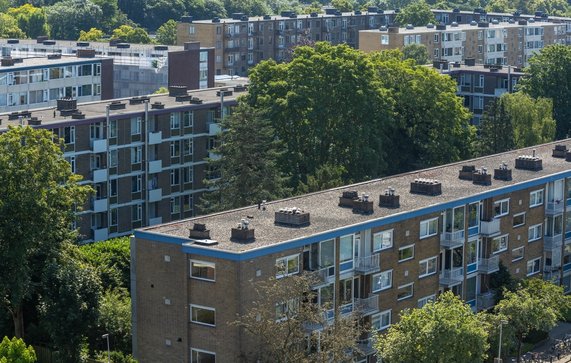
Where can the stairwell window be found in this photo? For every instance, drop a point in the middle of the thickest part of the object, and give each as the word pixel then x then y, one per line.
pixel 202 315
pixel 201 270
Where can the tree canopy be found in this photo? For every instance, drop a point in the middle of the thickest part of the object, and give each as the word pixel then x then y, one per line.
pixel 166 33
pixel 68 17
pixel 15 351
pixel 417 13
pixel 93 35
pixel 131 34
pixel 32 20
pixel 443 331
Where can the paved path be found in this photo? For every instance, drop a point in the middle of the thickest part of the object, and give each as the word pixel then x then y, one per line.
pixel 559 332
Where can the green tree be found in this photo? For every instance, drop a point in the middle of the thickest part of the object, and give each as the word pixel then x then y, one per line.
pixel 443 331
pixel 250 7
pixel 417 13
pixel 69 305
pixel 531 119
pixel 38 196
pixel 247 167
pixel 535 305
pixel 15 351
pixel 33 21
pixel 496 130
pixel 549 75
pixel 111 260
pixel 343 5
pixel 314 7
pixel 131 34
pixel 161 90
pixel 93 35
pixel 68 17
pixel 326 176
pixel 283 313
pixel 158 12
pixel 9 27
pixel 416 52
pixel 166 33
pixel 115 319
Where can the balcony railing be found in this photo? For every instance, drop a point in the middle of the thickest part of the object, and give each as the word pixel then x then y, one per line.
pixel 554 207
pixel 449 277
pixel 100 234
pixel 155 137
pixel 155 166
pixel 99 145
pixel 365 346
pixel 99 205
pixel 452 239
pixel 321 277
pixel 99 175
pixel 489 265
pixel 368 264
pixel 486 300
pixel 490 228
pixel 552 242
pixel 367 306
pixel 155 195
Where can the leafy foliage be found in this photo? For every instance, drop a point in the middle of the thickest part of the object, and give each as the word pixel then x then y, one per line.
pixel 15 351
pixel 9 27
pixel 115 319
pixel 417 13
pixel 32 20
pixel 93 35
pixel 131 34
pixel 111 260
pixel 443 331
pixel 416 52
pixel 68 17
pixel 166 33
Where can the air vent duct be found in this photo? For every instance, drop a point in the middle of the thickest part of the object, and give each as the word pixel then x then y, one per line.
pixel 389 199
pixel 430 187
pixel 243 232
pixel 199 231
pixel 466 172
pixel 363 205
pixel 347 198
pixel 529 162
pixel 503 172
pixel 294 217
pixel 481 177
pixel 560 151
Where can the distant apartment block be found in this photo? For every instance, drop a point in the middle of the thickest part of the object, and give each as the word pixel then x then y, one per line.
pixel 39 82
pixel 139 69
pixel 144 156
pixel 487 43
pixel 374 248
pixel 479 85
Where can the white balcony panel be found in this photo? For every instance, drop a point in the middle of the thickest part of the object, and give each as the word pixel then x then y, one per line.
pixel 155 137
pixel 100 234
pixel 99 175
pixel 154 221
pixel 99 145
pixel 100 205
pixel 155 195
pixel 490 228
pixel 155 166
pixel 214 129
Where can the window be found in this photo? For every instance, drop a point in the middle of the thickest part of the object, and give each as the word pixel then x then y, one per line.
pixel 112 128
pixel 287 266
pixel 202 356
pixel 187 174
pixel 286 309
pixel 175 177
pixel 202 315
pixel 501 208
pixel 188 118
pixel 425 300
pixel 112 158
pixel 135 125
pixel 519 219
pixel 384 39
pixel 187 203
pixel 175 205
pixel 175 149
pixel 71 161
pixel 536 198
pixel 533 266
pixel 534 232
pixel 113 221
pixel 346 246
pixel 202 270
pixel 517 254
pixel 187 147
pixel 500 244
pixel 136 181
pixel 69 135
pixel 381 320
pixel 136 212
pixel 175 120
pixel 427 267
pixel 405 291
pixel 406 253
pixel 382 281
pixel 382 240
pixel 428 227
pixel 136 153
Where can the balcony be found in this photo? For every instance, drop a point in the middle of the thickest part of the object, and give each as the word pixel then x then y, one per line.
pixel 500 91
pixel 489 265
pixel 368 264
pixel 155 195
pixel 155 137
pixel 555 207
pixel 485 300
pixel 367 306
pixel 321 277
pixel 99 175
pixel 365 346
pixel 552 242
pixel 452 277
pixel 214 128
pixel 100 234
pixel 490 228
pixel 99 145
pixel 155 166
pixel 452 239
pixel 156 220
pixel 100 205
pixel 213 155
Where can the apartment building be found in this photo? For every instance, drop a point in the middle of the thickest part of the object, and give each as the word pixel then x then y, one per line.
pixel 138 69
pixel 38 82
pixel 487 43
pixel 380 246
pixel 143 156
pixel 241 41
pixel 479 85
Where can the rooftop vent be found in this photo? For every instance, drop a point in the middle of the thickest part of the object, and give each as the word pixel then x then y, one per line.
pixel 481 177
pixel 560 151
pixel 7 62
pixel 195 101
pixel 138 100
pixel 389 199
pixel 243 232
pixel 372 9
pixel 123 45
pixel 454 24
pixel 199 231
pixel 539 14
pixel 568 156
pixel 66 103
pixel 54 56
pixel 267 17
pixel 49 42
pixel 483 24
pixel 161 47
pixel 441 27
pixel 363 205
pixel 186 19
pixel 503 172
pixel 224 92
pixel 470 61
pixel 455 10
pixel 430 26
pixel 330 11
pixel 466 172
pixel 34 121
pixel 82 44
pixel 529 162
pixel 240 88
pixel 78 115
pixel 237 16
pixel 313 15
pixel 511 21
pixel 85 53
pixel 383 28
pixel 495 21
pixel 177 91
pixel 531 20
pixel 409 26
pixel 216 20
pixel 117 105
pixel 347 198
pixel 244 18
pixel 294 217
pixel 183 98
pixel 42 38
pixel 473 23
pixel 522 22
pixel 13 41
pixel 157 105
pixel 357 12
pixel 426 187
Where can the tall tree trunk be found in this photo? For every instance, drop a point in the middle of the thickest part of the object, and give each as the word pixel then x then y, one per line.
pixel 18 318
pixel 519 350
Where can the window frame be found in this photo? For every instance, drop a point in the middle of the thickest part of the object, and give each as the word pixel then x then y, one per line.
pixel 403 248
pixel 500 202
pixel 192 306
pixel 524 219
pixel 532 261
pixel 380 315
pixel 426 300
pixel 522 255
pixel 428 222
pixel 402 287
pixel 208 265
pixel 425 261
pixel 540 234
pixel 287 273
pixel 382 288
pixel 535 193
pixel 504 249
pixel 391 232
pixel 201 351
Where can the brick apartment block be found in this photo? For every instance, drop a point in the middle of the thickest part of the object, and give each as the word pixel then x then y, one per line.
pixel 381 246
pixel 143 156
